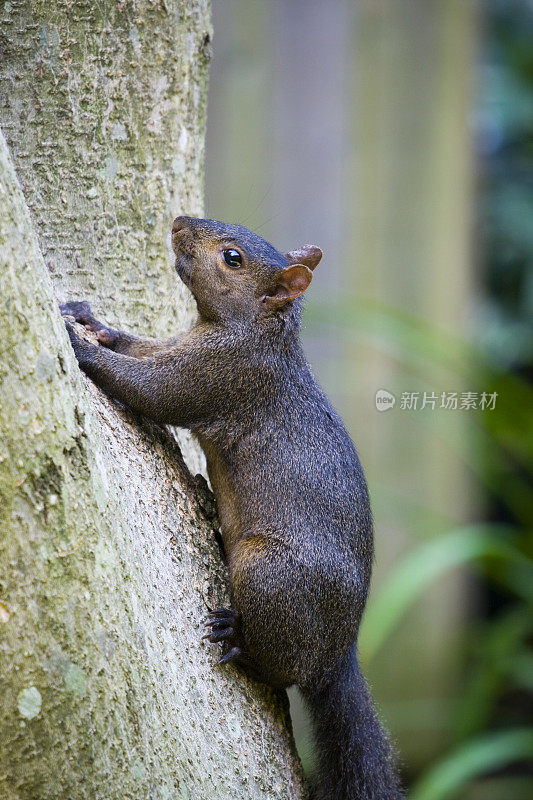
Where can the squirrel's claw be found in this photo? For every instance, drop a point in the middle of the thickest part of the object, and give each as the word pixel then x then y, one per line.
pixel 231 655
pixel 224 625
pixel 218 624
pixel 224 613
pixel 219 635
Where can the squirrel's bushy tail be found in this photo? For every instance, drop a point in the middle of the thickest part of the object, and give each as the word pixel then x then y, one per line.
pixel 355 759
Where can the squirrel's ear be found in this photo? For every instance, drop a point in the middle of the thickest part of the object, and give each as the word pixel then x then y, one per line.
pixel 292 281
pixel 309 255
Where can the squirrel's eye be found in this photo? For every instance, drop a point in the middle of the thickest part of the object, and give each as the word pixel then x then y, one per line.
pixel 232 258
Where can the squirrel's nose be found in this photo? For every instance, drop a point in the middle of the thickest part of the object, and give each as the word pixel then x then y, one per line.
pixel 181 223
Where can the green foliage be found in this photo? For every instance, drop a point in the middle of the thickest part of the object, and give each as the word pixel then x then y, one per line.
pixel 498 446
pixel 505 140
pixel 477 757
pixel 417 572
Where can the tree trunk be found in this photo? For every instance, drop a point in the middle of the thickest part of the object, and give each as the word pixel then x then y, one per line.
pixel 107 561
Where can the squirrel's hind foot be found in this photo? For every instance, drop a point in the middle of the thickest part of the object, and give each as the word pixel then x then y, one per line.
pixel 225 625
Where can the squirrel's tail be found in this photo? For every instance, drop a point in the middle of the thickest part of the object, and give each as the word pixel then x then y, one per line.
pixel 355 759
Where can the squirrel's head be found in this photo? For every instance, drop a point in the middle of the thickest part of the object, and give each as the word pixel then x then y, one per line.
pixel 233 273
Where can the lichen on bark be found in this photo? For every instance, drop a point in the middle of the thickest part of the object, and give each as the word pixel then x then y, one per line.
pixel 107 562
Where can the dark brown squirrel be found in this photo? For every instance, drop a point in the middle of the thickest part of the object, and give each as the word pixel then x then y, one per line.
pixel 291 493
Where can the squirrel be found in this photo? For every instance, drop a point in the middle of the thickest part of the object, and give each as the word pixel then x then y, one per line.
pixel 292 498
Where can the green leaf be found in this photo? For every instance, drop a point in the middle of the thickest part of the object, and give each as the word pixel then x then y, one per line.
pixel 479 757
pixel 500 657
pixel 420 568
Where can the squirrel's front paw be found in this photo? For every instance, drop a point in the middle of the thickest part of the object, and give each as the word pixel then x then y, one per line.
pixel 80 310
pixel 83 350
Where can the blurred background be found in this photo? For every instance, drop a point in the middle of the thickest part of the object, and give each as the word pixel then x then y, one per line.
pixel 398 136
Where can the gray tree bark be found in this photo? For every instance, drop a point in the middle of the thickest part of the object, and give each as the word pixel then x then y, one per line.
pixel 107 560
